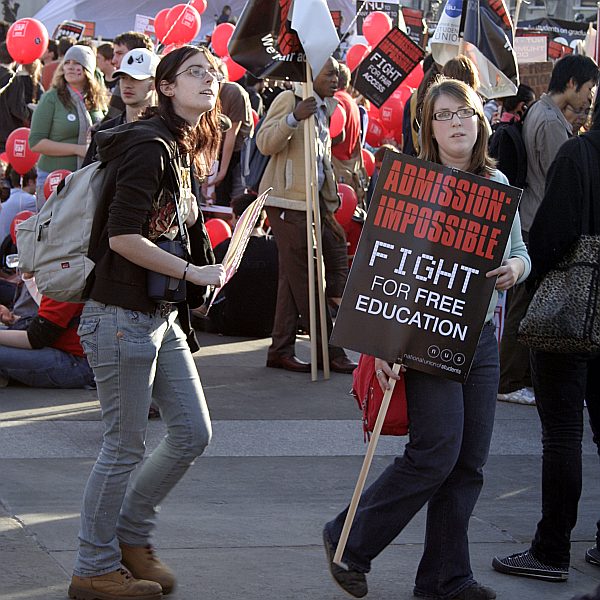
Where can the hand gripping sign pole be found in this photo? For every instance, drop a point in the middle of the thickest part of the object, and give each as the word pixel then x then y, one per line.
pixel 364 471
pixel 313 211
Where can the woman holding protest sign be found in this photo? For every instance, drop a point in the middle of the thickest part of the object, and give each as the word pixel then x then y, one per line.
pixel 450 423
pixel 133 331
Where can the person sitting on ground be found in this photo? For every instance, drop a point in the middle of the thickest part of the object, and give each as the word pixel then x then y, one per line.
pixel 47 354
pixel 246 305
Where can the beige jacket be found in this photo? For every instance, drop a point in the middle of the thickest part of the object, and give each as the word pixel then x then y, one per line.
pixel 285 171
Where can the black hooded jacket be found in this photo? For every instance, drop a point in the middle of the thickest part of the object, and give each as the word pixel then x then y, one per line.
pixel 571 204
pixel 141 159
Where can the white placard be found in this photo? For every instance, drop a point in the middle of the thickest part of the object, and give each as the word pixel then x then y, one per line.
pixel 531 49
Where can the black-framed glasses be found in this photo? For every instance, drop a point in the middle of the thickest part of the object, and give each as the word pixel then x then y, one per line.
pixel 201 72
pixel 448 115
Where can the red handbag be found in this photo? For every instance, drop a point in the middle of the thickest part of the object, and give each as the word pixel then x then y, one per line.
pixel 368 394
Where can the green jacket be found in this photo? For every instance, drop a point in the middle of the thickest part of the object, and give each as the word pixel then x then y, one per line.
pixel 53 121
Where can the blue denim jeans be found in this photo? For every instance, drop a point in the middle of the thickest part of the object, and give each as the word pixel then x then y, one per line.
pixel 561 383
pixel 45 368
pixel 136 357
pixel 442 466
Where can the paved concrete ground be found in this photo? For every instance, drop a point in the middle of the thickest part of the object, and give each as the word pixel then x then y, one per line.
pixel 246 520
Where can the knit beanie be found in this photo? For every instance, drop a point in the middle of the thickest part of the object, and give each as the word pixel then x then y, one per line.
pixel 84 55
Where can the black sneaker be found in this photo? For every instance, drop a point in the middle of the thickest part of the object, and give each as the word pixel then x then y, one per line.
pixel 354 583
pixel 527 565
pixel 592 556
pixel 473 592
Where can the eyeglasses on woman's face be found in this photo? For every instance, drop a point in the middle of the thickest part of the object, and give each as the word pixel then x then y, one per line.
pixel 448 115
pixel 201 72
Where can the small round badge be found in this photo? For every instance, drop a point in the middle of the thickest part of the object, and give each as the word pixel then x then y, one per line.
pixel 71 117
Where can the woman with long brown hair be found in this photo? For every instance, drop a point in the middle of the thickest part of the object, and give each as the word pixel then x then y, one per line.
pixel 61 122
pixel 134 339
pixel 450 423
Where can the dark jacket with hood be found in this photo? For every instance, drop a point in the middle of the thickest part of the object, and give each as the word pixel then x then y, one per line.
pixel 571 204
pixel 141 160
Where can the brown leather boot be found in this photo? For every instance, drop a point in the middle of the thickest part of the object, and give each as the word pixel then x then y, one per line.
pixel 144 564
pixel 118 585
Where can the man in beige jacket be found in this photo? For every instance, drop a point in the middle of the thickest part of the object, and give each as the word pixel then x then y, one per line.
pixel 281 136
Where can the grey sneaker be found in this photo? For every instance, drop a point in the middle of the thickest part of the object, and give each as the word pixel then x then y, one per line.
pixel 354 583
pixel 522 396
pixel 527 565
pixel 592 556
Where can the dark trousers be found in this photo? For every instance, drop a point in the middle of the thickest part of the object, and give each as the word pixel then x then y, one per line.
pixel 561 383
pixel 442 466
pixel 292 288
pixel 515 371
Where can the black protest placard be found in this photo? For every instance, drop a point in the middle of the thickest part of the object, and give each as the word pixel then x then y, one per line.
pixel 415 27
pixel 386 67
pixel 265 44
pixel 417 290
pixel 363 9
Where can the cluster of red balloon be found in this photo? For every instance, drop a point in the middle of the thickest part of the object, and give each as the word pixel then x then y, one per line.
pixel 179 24
pixel 26 41
pixel 219 41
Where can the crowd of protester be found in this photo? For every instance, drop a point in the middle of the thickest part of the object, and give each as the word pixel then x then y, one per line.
pixel 74 97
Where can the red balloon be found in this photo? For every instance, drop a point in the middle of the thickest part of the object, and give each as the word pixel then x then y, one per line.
pixel 53 180
pixel 20 155
pixel 18 218
pixel 218 231
pixel 220 38
pixel 338 121
pixel 373 112
pixel 199 5
pixel 392 113
pixel 399 138
pixel 414 78
pixel 348 203
pixel 255 117
pixel 376 26
pixel 403 93
pixel 353 230
pixel 355 55
pixel 375 133
pixel 160 24
pixel 3 157
pixel 234 71
pixel 169 48
pixel 184 22
pixel 27 40
pixel 369 160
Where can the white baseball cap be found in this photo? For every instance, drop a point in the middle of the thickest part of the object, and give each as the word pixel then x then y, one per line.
pixel 139 63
